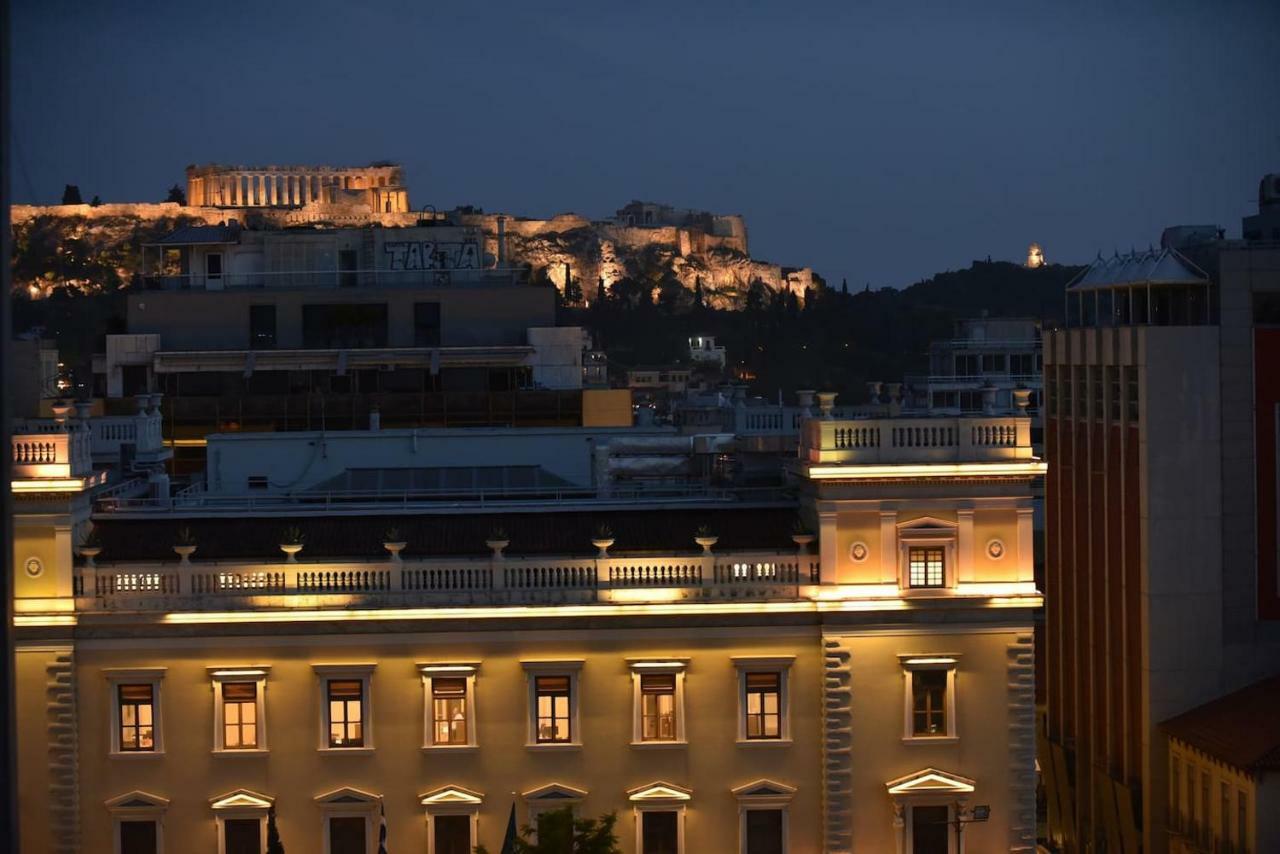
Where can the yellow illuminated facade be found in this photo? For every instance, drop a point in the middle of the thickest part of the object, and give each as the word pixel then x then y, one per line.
pixel 872 694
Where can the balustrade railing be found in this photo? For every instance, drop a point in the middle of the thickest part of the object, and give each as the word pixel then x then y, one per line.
pixel 213 585
pixel 53 454
pixel 908 440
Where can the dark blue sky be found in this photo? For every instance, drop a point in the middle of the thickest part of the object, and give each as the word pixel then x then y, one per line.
pixel 878 141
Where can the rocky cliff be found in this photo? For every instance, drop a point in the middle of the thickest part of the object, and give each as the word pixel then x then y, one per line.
pixel 103 241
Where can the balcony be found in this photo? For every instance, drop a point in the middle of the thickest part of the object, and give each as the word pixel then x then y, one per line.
pixel 225 585
pixel 109 434
pixel 880 441
pixel 52 455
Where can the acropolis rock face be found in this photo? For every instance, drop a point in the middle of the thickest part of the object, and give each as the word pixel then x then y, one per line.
pixel 643 241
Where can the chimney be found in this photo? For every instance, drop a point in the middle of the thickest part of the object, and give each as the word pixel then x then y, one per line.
pixel 502 242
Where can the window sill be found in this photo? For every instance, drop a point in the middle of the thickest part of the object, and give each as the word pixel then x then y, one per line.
pixel 245 752
pixel 554 745
pixel 659 745
pixel 136 754
pixel 345 751
pixel 931 739
pixel 450 748
pixel 764 742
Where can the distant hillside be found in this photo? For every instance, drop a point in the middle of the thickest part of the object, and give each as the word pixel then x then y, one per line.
pixel 835 340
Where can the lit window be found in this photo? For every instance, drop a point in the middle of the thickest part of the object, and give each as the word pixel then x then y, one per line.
pixel 135 711
pixel 658 707
pixel 930 697
pixel 658 702
pixel 137 717
pixel 764 705
pixel 346 713
pixel 553 704
pixel 240 715
pixel 346 707
pixel 929 702
pixel 238 707
pixel 553 695
pixel 925 566
pixel 449 710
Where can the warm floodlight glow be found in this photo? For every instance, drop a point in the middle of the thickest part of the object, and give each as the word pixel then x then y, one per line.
pixel 930 661
pixel 1030 468
pixel 67 484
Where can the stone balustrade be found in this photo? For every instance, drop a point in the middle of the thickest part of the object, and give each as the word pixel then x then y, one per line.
pixel 219 585
pixel 52 454
pixel 917 440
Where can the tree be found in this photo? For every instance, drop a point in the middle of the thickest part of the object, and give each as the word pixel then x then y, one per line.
pixel 71 195
pixel 176 194
pixel 95 202
pixel 572 290
pixel 844 286
pixel 274 845
pixel 698 299
pixel 558 832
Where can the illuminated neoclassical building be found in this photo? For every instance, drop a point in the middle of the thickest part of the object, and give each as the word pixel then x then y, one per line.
pixel 201 667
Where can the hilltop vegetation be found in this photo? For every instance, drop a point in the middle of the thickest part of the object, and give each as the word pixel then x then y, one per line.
pixel 836 340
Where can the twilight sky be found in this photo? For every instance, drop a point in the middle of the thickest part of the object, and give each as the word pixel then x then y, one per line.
pixel 878 141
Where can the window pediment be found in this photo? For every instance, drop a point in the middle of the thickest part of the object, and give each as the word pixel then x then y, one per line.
pixel 928 523
pixel 930 781
pixel 554 792
pixel 241 799
pixel 346 796
pixel 764 790
pixel 659 791
pixel 450 796
pixel 137 800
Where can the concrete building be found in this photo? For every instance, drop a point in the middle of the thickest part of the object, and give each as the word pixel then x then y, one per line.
pixel 692 666
pixel 981 367
pixel 302 329
pixel 1161 557
pixel 1224 789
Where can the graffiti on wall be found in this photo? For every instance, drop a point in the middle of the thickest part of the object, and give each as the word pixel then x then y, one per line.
pixel 433 255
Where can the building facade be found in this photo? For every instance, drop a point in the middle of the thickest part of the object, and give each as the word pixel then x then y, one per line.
pixel 1160 431
pixel 744 694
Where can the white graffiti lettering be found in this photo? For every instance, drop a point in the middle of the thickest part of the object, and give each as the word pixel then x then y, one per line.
pixel 430 255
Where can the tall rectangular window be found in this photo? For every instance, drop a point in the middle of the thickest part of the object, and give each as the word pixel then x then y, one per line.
pixel 1206 825
pixel 426 324
pixel 451 834
pixel 929 702
pixel 1224 818
pixel 1131 384
pixel 262 327
pixel 552 697
pixel 242 836
pixel 658 707
pixel 137 718
pixel 1242 821
pixel 764 705
pixel 925 566
pixel 449 710
pixel 240 715
pixel 1081 394
pixel 347 835
pixel 660 832
pixel 138 837
pixel 764 832
pixel 346 713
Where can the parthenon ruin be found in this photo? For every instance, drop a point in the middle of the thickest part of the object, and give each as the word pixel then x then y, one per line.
pixel 381 186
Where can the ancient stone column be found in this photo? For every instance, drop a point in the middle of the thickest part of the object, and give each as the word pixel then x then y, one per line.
pixel 306 189
pixel 275 190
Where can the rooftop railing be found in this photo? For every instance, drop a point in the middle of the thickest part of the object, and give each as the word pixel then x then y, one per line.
pixel 313 279
pixel 60 454
pixel 918 440
pixel 217 585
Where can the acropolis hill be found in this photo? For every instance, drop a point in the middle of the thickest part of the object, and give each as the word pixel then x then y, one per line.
pixel 642 241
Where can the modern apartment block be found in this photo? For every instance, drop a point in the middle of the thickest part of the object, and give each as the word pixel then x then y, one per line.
pixel 699 667
pixel 1161 437
pixel 304 329
pixel 979 367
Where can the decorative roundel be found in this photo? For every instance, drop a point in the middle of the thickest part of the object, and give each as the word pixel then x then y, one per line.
pixel 34 566
pixel 858 551
pixel 995 549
